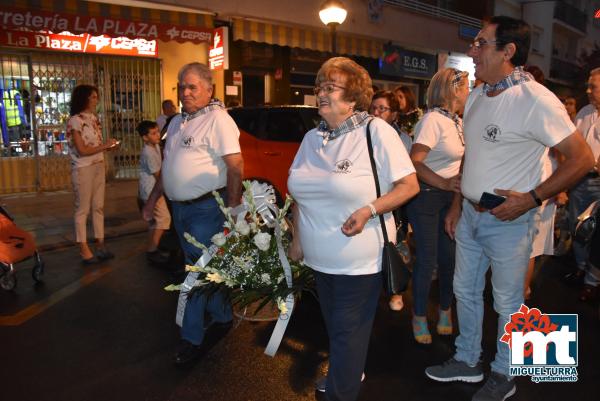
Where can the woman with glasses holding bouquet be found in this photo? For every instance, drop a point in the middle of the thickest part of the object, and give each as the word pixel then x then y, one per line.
pixel 337 229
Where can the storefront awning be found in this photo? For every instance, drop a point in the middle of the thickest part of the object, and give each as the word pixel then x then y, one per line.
pixel 306 38
pixel 78 16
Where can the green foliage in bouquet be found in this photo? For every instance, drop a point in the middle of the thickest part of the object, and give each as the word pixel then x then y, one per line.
pixel 245 257
pixel 408 121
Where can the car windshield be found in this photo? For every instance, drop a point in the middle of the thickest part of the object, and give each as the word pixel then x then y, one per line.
pixel 284 124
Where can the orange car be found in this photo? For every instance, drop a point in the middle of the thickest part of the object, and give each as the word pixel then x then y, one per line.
pixel 270 137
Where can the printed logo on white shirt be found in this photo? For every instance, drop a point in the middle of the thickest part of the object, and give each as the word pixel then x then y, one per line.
pixel 492 132
pixel 343 167
pixel 187 141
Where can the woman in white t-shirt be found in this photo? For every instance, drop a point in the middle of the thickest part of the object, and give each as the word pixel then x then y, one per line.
pixel 87 170
pixel 436 154
pixel 385 105
pixel 336 232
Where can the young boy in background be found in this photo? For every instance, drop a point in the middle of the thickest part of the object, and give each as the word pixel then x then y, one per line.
pixel 150 164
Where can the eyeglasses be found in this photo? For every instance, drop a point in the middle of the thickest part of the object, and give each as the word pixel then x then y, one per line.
pixel 479 43
pixel 381 108
pixel 183 87
pixel 327 88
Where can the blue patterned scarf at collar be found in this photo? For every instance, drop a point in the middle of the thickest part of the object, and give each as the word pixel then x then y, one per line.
pixel 453 116
pixel 457 122
pixel 356 120
pixel 214 104
pixel 517 77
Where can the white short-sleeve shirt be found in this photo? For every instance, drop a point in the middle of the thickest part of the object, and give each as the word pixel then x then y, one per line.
pixel 150 163
pixel 506 137
pixel 193 162
pixel 91 134
pixel 161 121
pixel 330 182
pixel 440 134
pixel 588 124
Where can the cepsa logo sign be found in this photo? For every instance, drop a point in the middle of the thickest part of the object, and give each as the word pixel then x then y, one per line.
pixel 597 14
pixel 542 346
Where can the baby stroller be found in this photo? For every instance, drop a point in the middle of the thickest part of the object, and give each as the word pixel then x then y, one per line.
pixel 16 245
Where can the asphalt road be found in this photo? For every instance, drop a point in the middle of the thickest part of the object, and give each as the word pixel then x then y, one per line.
pixel 107 332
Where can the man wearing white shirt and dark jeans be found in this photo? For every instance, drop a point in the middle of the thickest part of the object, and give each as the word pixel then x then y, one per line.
pixel 587 189
pixel 509 124
pixel 201 155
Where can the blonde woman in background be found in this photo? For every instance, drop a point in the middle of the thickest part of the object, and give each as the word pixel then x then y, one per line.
pixel 436 155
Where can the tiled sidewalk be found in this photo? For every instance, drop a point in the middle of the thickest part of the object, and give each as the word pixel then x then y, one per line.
pixel 49 215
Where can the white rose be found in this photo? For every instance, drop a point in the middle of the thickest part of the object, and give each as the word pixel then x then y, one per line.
pixel 242 227
pixel 219 239
pixel 265 278
pixel 262 241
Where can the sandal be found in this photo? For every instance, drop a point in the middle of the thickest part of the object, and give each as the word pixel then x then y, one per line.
pixel 420 330
pixel 396 302
pixel 90 261
pixel 444 326
pixel 104 254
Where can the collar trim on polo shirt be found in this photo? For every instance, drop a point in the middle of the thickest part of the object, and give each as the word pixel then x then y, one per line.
pixel 518 76
pixel 214 104
pixel 356 120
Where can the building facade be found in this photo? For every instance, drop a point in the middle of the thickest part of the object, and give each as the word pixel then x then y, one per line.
pixel 133 50
pixel 562 31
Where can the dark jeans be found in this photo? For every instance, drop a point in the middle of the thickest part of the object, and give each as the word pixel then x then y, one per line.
pixel 580 197
pixel 434 248
pixel 202 220
pixel 348 306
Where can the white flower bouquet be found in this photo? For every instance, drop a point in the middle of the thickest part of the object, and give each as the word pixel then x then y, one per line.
pixel 247 258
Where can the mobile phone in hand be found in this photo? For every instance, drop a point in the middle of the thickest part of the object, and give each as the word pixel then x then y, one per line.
pixel 490 201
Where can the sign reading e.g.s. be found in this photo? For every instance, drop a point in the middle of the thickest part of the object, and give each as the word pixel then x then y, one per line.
pixel 407 63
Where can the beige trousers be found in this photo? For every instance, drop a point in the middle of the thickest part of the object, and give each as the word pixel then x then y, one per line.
pixel 88 186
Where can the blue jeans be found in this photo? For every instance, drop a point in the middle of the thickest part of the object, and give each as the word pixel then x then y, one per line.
pixel 426 215
pixel 348 305
pixel 202 220
pixel 483 240
pixel 580 197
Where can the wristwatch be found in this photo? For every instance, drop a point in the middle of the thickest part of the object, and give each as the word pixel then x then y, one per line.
pixel 373 210
pixel 536 198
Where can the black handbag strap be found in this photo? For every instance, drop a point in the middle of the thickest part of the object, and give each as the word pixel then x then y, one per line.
pixel 374 168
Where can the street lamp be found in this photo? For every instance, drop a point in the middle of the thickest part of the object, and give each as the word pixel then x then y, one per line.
pixel 332 14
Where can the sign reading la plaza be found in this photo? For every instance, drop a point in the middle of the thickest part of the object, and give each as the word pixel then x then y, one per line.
pixel 83 43
pixel 12 18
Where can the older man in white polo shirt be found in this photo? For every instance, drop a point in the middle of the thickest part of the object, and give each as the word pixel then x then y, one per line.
pixel 509 124
pixel 587 189
pixel 202 154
